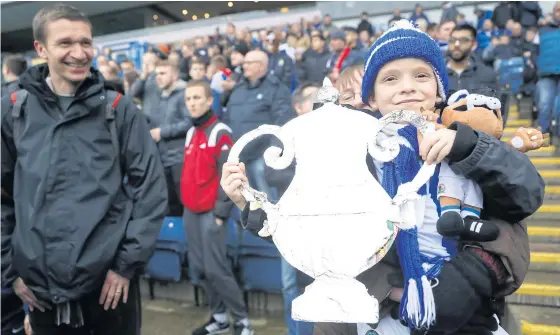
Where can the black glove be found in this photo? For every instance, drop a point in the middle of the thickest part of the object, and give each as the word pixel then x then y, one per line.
pixel 469 228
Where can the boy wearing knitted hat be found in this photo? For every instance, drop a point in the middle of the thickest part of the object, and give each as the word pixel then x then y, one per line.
pixel 405 70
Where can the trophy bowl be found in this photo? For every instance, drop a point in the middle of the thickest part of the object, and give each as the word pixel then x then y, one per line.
pixel 335 220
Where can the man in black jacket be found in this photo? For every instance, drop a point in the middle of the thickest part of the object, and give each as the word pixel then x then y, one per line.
pixel 465 71
pixel 74 235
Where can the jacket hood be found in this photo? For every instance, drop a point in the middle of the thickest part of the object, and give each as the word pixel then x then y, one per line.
pixel 34 81
pixel 179 86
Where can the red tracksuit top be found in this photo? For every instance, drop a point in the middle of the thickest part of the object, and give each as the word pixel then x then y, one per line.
pixel 206 150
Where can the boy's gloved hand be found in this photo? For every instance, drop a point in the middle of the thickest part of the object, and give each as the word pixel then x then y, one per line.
pixel 470 228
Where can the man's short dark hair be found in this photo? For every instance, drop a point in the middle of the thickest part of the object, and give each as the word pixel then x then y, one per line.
pixel 298 97
pixel 465 27
pixel 53 13
pixel 16 64
pixel 200 83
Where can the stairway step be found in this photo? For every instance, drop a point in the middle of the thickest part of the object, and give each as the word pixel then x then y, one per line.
pixel 545 161
pixel 538 288
pixel 543 152
pixel 518 123
pixel 550 210
pixel 538 329
pixel 549 173
pixel 544 233
pixel 537 320
pixel 546 261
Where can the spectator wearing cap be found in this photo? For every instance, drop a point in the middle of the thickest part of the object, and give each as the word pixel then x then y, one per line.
pixel 314 61
pixel 364 24
pixel 13 67
pixel 342 55
pixel 418 14
pixel 259 98
pixel 279 63
pixel 238 52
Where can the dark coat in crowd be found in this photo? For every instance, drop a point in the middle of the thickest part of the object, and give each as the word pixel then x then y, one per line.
pixel 313 66
pixel 252 104
pixel 505 11
pixel 530 13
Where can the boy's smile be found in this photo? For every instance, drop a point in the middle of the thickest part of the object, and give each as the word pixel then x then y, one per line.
pixel 406 83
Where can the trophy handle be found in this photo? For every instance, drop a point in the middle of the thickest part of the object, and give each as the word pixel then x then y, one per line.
pixel 274 157
pixel 388 149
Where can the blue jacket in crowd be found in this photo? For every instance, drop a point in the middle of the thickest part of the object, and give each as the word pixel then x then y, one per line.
pixel 549 60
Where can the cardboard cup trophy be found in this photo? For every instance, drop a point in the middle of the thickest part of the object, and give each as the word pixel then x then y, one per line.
pixel 335 220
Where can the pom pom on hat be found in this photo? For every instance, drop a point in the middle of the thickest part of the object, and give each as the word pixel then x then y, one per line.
pixel 403 40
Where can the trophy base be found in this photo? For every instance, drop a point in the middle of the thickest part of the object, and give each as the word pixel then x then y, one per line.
pixel 343 300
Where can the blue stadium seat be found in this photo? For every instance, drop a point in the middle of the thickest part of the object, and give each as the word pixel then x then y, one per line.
pixel 171 249
pixel 259 264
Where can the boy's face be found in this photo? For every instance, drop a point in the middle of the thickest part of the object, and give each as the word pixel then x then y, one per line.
pixel 197 72
pixel 197 102
pixel 352 95
pixel 407 83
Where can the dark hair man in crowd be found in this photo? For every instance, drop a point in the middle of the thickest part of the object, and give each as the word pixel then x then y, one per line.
pixel 74 235
pixel 13 67
pixel 464 70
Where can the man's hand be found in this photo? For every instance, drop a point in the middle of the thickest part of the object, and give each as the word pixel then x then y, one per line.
pixel 233 175
pixel 219 221
pixel 436 146
pixel 526 139
pixel 114 287
pixel 156 134
pixel 227 85
pixel 27 296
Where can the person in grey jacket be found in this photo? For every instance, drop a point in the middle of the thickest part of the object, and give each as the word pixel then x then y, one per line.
pixel 13 67
pixel 259 98
pixel 74 234
pixel 145 88
pixel 313 65
pixel 169 122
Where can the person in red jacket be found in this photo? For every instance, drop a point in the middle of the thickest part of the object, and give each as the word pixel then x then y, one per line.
pixel 207 208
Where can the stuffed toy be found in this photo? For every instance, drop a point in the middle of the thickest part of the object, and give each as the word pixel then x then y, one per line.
pixel 461 199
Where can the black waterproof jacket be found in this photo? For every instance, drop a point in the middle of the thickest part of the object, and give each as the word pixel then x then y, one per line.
pixel 67 216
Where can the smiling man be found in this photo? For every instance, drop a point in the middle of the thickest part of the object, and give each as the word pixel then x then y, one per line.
pixel 74 236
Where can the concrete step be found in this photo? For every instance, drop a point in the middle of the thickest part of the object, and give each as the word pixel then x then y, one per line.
pixel 543 232
pixel 543 152
pixel 518 123
pixel 550 210
pixel 552 192
pixel 545 257
pixel 546 162
pixel 539 288
pixel 537 320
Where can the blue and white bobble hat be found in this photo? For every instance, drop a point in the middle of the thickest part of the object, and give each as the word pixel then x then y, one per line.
pixel 403 40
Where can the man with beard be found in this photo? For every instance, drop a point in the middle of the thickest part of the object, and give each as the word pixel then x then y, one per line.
pixel 74 235
pixel 465 71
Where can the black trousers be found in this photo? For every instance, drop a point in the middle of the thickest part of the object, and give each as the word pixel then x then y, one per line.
pixel 173 179
pixel 125 319
pixel 12 314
